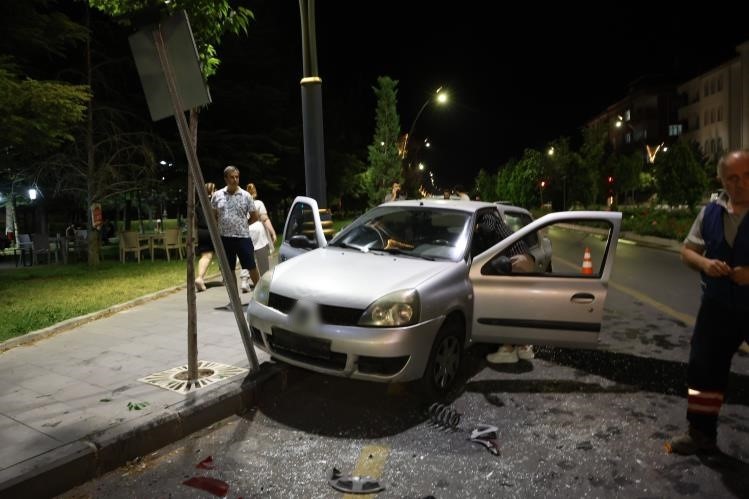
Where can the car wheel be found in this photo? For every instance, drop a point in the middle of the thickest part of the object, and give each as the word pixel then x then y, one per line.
pixel 444 360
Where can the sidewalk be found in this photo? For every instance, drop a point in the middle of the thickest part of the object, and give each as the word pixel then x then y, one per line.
pixel 71 405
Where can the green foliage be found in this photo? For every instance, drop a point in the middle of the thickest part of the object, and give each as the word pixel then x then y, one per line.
pixel 210 20
pixel 384 161
pixel 486 185
pixel 680 176
pixel 38 115
pixel 39 296
pixel 37 112
pixel 647 221
pixel 584 183
pixel 523 180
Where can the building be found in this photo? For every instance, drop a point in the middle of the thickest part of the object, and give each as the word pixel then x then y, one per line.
pixel 645 120
pixel 715 106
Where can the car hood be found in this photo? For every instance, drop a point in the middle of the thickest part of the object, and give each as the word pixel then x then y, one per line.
pixel 350 278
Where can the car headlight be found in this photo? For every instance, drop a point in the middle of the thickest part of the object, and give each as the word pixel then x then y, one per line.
pixel 400 308
pixel 262 289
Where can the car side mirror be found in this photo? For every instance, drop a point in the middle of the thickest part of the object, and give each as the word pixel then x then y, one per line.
pixel 502 265
pixel 301 242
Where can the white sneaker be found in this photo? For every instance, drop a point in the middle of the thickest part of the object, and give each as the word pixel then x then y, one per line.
pixel 525 352
pixel 244 278
pixel 505 355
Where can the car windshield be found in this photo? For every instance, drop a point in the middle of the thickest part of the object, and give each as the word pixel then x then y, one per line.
pixel 418 231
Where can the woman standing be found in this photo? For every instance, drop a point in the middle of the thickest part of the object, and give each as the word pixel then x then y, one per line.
pixel 205 245
pixel 262 233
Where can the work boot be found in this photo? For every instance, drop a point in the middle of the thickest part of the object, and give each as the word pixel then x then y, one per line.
pixel 692 442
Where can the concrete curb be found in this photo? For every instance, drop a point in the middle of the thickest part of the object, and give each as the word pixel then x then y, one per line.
pixel 65 467
pixel 652 241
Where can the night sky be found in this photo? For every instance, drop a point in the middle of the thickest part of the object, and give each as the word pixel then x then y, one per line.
pixel 515 80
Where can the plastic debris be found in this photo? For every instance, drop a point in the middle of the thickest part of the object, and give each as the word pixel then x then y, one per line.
pixel 354 484
pixel 206 464
pixel 211 485
pixel 444 416
pixel 486 435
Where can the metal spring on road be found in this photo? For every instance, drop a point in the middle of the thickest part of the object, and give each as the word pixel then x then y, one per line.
pixel 443 415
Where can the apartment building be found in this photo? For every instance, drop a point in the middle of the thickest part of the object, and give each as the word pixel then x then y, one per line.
pixel 714 109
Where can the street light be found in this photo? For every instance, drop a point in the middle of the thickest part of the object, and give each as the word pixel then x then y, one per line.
pixel 440 96
pixel 541 191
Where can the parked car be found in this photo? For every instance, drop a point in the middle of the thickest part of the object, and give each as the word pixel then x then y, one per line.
pixel 399 293
pixel 540 247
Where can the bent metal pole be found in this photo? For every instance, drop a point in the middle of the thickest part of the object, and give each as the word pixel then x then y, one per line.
pixel 192 159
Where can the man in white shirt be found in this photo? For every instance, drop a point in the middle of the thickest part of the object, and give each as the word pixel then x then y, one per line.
pixel 234 207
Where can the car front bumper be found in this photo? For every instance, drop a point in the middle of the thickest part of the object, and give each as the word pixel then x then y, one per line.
pixel 374 354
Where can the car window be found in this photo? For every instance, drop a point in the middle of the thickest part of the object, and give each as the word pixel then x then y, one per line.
pixel 301 222
pixel 517 219
pixel 417 231
pixel 573 249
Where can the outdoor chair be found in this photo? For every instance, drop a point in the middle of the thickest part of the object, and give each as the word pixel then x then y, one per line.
pixel 26 254
pixel 171 240
pixel 40 246
pixel 130 242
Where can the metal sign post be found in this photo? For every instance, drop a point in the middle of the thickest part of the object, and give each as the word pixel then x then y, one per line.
pixel 157 35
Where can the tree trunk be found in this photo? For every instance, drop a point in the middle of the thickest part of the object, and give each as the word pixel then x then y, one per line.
pixel 93 235
pixel 192 313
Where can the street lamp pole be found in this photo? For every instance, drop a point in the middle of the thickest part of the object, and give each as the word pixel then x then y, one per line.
pixel 441 97
pixel 314 158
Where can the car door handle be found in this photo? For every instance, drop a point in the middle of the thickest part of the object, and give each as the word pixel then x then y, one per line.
pixel 582 298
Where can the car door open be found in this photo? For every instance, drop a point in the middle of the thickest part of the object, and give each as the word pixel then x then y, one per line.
pixel 303 230
pixel 562 307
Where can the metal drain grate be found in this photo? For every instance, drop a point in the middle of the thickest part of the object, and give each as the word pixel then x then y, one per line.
pixel 175 379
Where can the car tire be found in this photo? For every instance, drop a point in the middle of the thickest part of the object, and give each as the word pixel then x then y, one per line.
pixel 445 359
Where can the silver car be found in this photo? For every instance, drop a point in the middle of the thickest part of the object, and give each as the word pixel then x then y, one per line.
pixel 398 294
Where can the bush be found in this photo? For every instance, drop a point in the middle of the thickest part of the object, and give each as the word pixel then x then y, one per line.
pixel 648 221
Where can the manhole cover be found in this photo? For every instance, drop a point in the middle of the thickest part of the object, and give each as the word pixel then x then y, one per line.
pixel 175 379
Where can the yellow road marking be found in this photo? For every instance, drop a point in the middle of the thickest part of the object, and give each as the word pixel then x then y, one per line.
pixel 370 463
pixel 661 307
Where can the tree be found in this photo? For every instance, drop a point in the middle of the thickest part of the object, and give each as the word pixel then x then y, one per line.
pixel 583 183
pixel 38 108
pixel 680 176
pixel 486 185
pixel 519 182
pixel 385 165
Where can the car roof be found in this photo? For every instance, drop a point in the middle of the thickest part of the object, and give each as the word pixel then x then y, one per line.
pixel 509 207
pixel 468 206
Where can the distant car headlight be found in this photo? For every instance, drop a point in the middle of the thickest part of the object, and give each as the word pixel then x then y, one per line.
pixel 400 308
pixel 262 290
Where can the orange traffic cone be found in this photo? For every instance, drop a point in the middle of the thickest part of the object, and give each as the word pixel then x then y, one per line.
pixel 587 263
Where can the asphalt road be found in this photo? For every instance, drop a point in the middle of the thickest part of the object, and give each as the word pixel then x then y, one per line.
pixel 571 423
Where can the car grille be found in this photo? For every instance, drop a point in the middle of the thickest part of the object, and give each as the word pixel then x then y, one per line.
pixel 314 351
pixel 340 316
pixel 281 303
pixel 329 314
